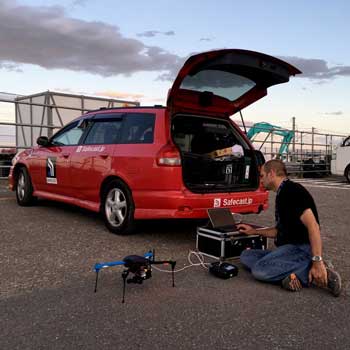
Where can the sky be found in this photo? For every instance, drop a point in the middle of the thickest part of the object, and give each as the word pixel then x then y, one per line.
pixel 132 50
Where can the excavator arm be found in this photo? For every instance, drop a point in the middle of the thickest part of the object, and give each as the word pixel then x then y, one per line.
pixel 268 128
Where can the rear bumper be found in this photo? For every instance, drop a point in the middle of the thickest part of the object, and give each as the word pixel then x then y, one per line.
pixel 184 204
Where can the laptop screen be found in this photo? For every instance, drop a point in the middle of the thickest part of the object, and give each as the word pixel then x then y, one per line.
pixel 221 217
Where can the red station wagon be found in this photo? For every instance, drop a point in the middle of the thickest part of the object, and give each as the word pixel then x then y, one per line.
pixel 160 162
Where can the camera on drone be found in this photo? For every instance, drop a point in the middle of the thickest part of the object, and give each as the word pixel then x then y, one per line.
pixel 139 266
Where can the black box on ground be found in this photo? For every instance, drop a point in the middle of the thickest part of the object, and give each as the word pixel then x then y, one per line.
pixel 220 245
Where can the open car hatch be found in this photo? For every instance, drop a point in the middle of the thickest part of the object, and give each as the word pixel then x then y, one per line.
pixel 223 82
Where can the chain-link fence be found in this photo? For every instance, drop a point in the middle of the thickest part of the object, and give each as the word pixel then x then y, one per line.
pixel 306 153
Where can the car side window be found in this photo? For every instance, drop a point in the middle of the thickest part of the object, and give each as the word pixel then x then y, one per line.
pixel 70 135
pixel 104 131
pixel 138 128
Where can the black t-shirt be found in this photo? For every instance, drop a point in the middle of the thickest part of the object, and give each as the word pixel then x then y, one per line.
pixel 291 201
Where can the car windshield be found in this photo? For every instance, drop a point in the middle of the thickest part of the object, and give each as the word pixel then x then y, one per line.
pixel 221 83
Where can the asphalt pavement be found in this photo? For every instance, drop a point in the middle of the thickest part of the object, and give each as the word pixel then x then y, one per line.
pixel 47 298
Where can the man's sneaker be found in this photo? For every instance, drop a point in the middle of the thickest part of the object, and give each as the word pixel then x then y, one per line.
pixel 333 281
pixel 292 283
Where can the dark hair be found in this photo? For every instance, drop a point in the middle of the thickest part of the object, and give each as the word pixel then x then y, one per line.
pixel 277 165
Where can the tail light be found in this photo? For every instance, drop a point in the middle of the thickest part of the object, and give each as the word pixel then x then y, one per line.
pixel 168 156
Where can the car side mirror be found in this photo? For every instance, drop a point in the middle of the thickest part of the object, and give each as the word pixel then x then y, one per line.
pixel 43 141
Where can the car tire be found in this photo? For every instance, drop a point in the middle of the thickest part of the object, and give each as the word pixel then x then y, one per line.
pixel 347 173
pixel 118 208
pixel 24 188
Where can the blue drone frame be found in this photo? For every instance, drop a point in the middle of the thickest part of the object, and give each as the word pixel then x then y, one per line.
pixel 139 266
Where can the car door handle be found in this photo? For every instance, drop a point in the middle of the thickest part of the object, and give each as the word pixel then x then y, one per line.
pixel 65 155
pixel 104 155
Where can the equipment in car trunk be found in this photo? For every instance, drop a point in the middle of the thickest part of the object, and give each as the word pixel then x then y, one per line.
pixel 225 171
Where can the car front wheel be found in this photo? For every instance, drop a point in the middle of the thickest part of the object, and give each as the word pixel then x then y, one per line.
pixel 118 208
pixel 24 188
pixel 347 173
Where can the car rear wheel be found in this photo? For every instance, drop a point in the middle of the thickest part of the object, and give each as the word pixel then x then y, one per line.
pixel 24 188
pixel 347 173
pixel 118 208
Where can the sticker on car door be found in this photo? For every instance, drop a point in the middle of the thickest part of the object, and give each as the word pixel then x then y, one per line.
pixel 231 202
pixel 51 171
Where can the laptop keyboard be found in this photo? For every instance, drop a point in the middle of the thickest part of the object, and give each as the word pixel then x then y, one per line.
pixel 231 228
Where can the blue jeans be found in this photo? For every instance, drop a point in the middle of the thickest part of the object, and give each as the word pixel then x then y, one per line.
pixel 275 265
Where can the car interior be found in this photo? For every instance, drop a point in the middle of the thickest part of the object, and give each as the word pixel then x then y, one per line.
pixel 198 139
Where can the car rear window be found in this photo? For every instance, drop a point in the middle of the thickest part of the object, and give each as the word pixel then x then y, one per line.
pixel 104 131
pixel 221 83
pixel 121 129
pixel 138 128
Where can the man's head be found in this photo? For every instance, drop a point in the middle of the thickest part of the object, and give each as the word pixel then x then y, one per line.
pixel 272 174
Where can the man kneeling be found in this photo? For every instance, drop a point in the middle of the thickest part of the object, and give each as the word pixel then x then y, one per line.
pixel 297 261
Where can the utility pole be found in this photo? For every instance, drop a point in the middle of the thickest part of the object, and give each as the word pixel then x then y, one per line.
pixel 313 142
pixel 293 128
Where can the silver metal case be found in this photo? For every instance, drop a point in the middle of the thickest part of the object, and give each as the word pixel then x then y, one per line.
pixel 223 246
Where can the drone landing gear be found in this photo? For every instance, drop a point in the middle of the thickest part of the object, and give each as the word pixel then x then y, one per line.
pixel 139 266
pixel 124 275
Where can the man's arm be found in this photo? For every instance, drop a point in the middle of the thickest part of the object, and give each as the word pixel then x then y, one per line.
pixel 269 232
pixel 318 272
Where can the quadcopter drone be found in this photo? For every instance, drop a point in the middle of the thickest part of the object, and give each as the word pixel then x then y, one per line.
pixel 139 266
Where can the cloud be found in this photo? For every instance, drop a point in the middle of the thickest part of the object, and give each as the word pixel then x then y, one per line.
pixel 205 39
pixel 334 113
pixel 46 37
pixel 167 76
pixel 316 68
pixel 10 67
pixel 127 96
pixel 152 33
pixel 120 95
pixel 107 93
pixel 79 3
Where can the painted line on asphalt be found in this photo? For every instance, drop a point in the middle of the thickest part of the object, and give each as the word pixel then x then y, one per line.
pixel 323 186
pixel 5 198
pixel 323 182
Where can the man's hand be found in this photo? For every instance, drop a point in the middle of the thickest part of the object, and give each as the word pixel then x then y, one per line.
pixel 246 229
pixel 318 274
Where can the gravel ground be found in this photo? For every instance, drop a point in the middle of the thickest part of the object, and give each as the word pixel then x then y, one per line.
pixel 47 301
